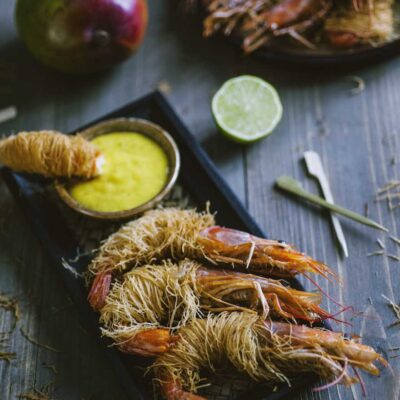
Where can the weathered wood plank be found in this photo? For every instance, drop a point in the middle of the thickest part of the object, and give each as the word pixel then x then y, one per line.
pixel 357 136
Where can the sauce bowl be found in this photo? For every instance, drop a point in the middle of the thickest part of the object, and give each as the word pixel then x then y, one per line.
pixel 146 128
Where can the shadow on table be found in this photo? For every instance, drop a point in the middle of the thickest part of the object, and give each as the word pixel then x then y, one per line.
pixel 49 319
pixel 28 79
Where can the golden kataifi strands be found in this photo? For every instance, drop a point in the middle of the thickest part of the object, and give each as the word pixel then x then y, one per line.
pixel 51 154
pixel 214 343
pixel 170 295
pixel 265 351
pixel 370 26
pixel 157 235
pixel 151 296
pixel 177 234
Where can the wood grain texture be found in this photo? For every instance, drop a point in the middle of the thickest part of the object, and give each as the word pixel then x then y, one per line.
pixel 357 137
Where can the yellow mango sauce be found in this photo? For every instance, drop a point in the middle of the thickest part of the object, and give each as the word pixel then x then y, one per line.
pixel 135 170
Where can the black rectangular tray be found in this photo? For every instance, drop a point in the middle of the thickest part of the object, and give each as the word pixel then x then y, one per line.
pixel 198 176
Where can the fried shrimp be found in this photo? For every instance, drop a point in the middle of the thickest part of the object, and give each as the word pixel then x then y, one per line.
pixel 258 22
pixel 51 154
pixel 373 24
pixel 177 234
pixel 265 351
pixel 170 295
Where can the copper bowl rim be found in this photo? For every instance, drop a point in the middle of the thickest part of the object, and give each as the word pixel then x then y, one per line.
pixel 147 128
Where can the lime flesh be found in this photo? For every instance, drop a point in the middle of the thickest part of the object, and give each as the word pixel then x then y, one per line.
pixel 246 108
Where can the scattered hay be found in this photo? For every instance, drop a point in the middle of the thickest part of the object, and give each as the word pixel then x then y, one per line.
pixel 6 356
pixel 387 193
pixel 376 253
pixel 71 269
pixel 380 244
pixel 396 309
pixel 391 185
pixel 164 87
pixel 395 239
pixel 36 343
pixel 11 304
pixel 37 394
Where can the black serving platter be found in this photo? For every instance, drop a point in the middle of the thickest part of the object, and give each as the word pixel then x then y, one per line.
pixel 198 176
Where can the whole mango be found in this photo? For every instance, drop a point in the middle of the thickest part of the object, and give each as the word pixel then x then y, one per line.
pixel 82 36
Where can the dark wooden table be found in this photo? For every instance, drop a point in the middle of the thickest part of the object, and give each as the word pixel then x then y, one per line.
pixel 358 137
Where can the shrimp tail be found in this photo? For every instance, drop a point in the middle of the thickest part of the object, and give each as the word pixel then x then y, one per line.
pixel 149 343
pixel 99 290
pixel 172 390
pixel 259 255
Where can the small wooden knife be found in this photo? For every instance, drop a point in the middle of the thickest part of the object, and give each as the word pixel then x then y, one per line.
pixel 315 169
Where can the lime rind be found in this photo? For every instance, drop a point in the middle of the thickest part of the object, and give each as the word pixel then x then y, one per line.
pixel 247 108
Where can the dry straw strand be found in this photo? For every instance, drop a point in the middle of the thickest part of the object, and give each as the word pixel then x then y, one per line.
pixel 36 343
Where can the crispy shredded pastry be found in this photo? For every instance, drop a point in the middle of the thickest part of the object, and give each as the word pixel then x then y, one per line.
pixel 158 234
pixel 371 25
pixel 170 295
pixel 149 297
pixel 51 154
pixel 264 350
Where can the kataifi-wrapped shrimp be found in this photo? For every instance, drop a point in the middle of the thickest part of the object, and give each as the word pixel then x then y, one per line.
pixel 371 24
pixel 154 297
pixel 177 234
pixel 265 351
pixel 51 154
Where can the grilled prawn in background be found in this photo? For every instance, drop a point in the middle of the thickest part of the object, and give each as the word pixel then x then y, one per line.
pixel 344 23
pixel 370 23
pixel 178 234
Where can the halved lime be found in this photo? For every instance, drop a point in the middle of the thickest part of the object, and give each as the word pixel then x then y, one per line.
pixel 246 108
